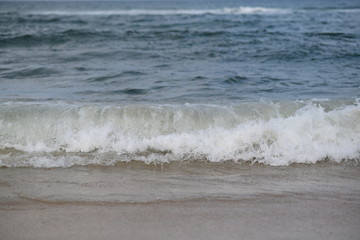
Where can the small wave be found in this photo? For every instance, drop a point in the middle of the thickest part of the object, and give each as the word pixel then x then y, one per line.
pixel 130 91
pixel 334 35
pixel 235 80
pixel 29 40
pixel 62 135
pixel 53 38
pixel 238 10
pixel 37 72
pixel 115 76
pixel 354 9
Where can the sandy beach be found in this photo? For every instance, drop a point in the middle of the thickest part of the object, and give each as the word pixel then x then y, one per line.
pixel 319 201
pixel 268 217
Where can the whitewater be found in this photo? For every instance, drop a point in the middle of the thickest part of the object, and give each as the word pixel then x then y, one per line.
pixel 273 133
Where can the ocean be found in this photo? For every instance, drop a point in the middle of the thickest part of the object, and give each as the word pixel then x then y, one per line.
pixel 151 101
pixel 106 82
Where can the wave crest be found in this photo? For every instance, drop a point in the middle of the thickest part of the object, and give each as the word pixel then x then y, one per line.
pixel 274 134
pixel 237 10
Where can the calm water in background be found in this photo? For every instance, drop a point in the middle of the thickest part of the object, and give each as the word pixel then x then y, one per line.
pixel 179 51
pixel 157 81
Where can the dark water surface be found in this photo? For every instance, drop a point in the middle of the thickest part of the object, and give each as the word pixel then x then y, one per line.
pixel 179 51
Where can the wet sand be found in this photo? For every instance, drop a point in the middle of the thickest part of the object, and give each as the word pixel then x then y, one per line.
pixel 319 201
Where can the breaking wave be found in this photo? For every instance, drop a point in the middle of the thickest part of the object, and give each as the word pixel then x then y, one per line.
pixel 238 10
pixel 273 133
pixel 216 11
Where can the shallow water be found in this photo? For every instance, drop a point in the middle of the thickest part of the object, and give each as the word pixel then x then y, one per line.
pixel 137 182
pixel 190 200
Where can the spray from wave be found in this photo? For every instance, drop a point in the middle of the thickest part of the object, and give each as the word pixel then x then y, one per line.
pixel 63 135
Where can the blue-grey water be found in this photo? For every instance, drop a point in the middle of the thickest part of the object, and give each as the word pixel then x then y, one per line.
pixel 274 82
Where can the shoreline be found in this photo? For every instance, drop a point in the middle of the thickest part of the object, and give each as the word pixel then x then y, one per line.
pixel 181 201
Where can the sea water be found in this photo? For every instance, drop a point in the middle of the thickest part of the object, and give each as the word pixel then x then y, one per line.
pixel 102 83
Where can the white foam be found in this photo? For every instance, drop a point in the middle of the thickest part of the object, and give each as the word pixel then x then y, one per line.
pixel 238 10
pixel 274 134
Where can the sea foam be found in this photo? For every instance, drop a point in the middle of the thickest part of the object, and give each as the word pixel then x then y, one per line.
pixel 62 135
pixel 237 10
